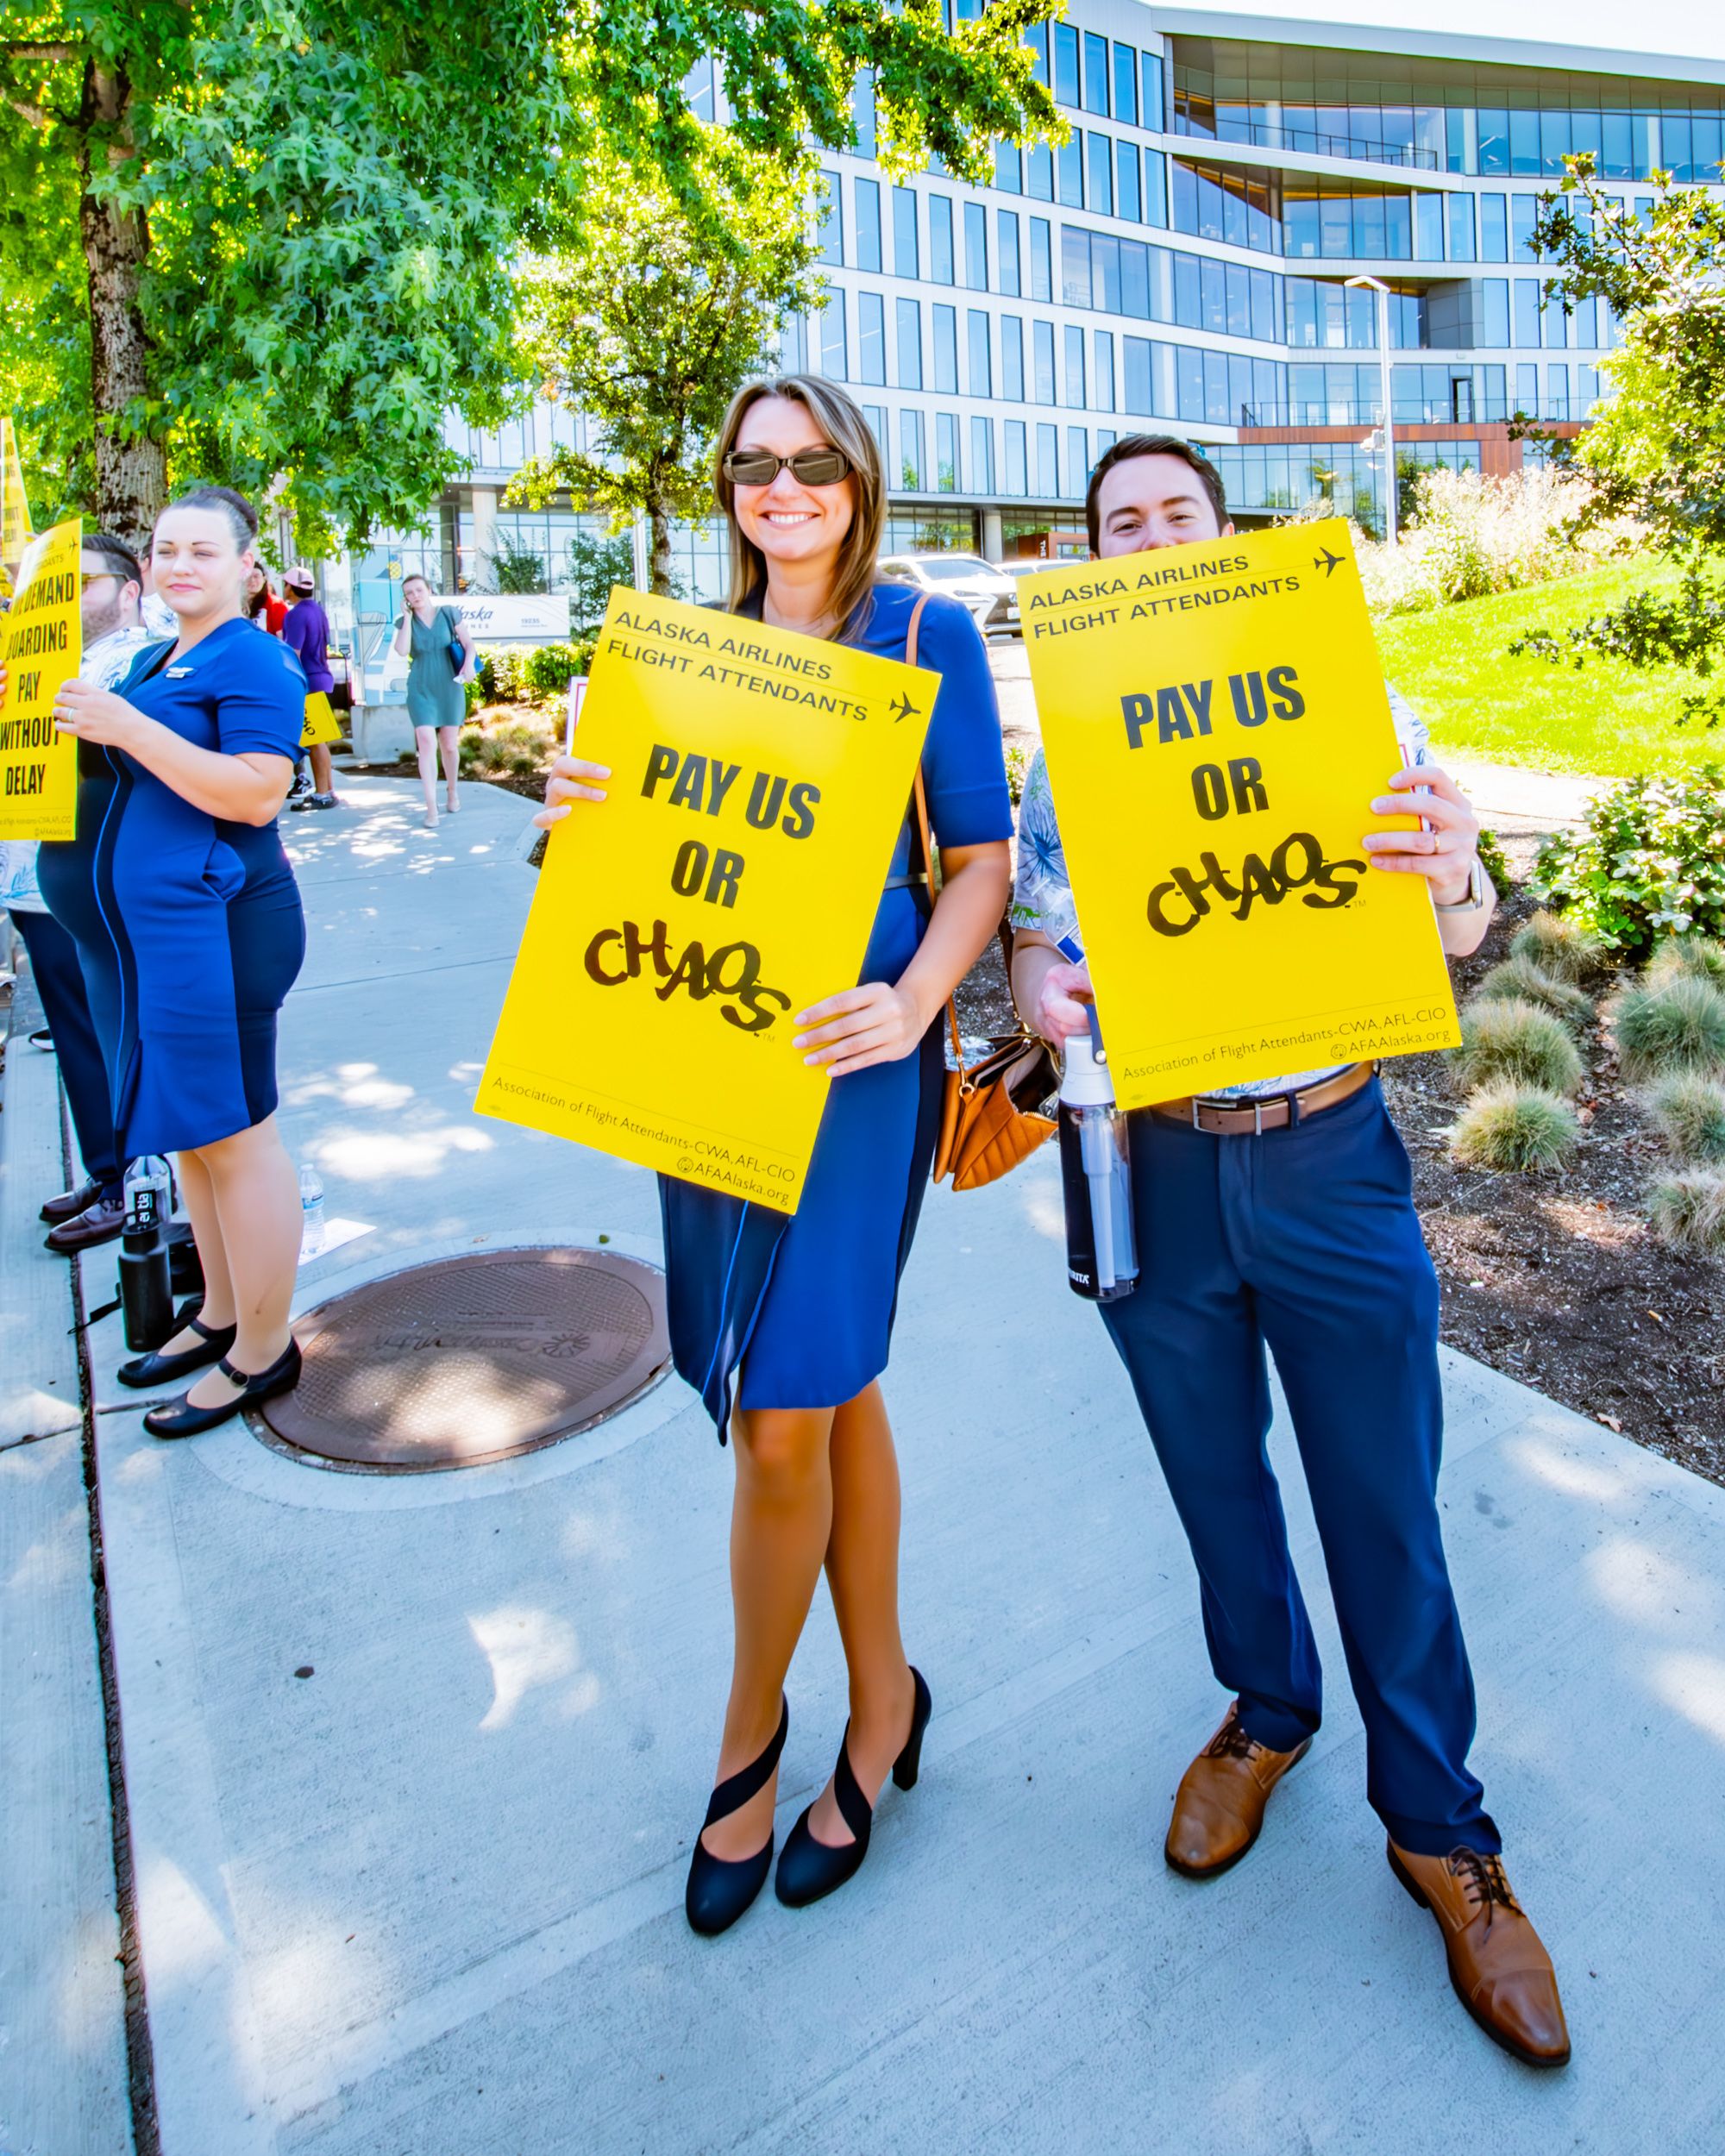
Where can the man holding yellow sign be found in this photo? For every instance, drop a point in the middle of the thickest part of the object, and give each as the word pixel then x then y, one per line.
pixel 1218 741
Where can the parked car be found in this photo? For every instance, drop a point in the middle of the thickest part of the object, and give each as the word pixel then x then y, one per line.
pixel 984 587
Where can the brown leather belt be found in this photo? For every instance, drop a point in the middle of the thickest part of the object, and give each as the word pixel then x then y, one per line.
pixel 1251 1119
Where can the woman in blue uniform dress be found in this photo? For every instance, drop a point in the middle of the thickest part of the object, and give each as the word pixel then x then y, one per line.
pixel 784 1326
pixel 190 933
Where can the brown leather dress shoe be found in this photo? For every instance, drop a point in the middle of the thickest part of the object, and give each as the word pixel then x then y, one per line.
pixel 1501 1973
pixel 1218 1808
pixel 99 1223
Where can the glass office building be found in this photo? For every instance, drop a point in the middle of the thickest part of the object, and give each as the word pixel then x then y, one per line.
pixel 1181 263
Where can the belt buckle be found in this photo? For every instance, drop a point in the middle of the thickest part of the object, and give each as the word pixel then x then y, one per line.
pixel 1193 1110
pixel 1258 1116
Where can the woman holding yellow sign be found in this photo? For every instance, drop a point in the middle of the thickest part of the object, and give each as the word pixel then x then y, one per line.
pixel 783 1323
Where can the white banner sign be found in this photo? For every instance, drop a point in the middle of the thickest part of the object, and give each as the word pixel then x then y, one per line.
pixel 493 618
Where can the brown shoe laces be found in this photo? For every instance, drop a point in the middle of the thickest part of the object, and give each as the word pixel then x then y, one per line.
pixel 1482 1879
pixel 1232 1741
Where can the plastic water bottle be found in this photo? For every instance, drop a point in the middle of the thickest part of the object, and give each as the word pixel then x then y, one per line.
pixel 310 1211
pixel 1095 1171
pixel 145 1281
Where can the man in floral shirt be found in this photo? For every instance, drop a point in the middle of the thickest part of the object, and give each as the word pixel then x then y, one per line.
pixel 1279 1215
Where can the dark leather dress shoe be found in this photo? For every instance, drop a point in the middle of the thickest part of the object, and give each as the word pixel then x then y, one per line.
pixel 151 1372
pixel 1219 1809
pixel 99 1223
pixel 70 1202
pixel 1499 1968
pixel 179 1418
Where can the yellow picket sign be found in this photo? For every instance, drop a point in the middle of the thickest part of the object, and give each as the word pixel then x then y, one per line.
pixel 1216 727
pixel 321 722
pixel 15 508
pixel 41 645
pixel 759 781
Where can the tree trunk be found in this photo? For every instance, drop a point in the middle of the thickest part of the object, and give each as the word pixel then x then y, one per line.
pixel 659 525
pixel 131 469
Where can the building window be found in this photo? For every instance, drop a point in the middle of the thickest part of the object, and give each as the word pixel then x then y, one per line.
pixel 1156 189
pixel 1015 477
pixel 1461 228
pixel 940 239
pixel 1528 391
pixel 1586 389
pixel 913 465
pixel 981 356
pixel 1099 151
pixel 1074 266
pixel 1129 194
pixel 1041 259
pixel 1150 81
pixel 1494 229
pixel 1069 167
pixel 875 415
pixel 833 355
pixel 1428 228
pixel 1006 251
pixel 1557 391
pixel 1065 41
pixel 1077 460
pixel 1102 370
pixel 863 113
pixel 982 456
pixel 871 337
pixel 1042 362
pixel 831 233
pixel 945 350
pixel 946 452
pixel 867 200
pixel 1126 83
pixel 1496 311
pixel 1526 310
pixel 910 344
pixel 1095 73
pixel 794 346
pixel 1011 359
pixel 1008 168
pixel 1524 211
pixel 975 246
pixel 1039 173
pixel 699 92
pixel 1074 367
pixel 905 261
pixel 1048 462
pixel 1035 38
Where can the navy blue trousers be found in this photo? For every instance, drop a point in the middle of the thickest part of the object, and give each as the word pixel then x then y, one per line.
pixel 1305 1240
pixel 59 983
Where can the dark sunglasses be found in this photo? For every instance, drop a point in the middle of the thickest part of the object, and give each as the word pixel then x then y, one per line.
pixel 808 467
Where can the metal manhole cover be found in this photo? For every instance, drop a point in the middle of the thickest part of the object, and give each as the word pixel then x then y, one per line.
pixel 474 1358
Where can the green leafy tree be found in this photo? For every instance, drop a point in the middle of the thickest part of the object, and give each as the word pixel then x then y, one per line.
pixel 272 241
pixel 1656 450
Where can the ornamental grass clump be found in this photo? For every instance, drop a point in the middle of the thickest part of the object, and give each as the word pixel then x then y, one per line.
pixel 1519 977
pixel 1694 957
pixel 1689 1113
pixel 1506 1126
pixel 1669 1025
pixel 1511 1039
pixel 1687 1210
pixel 1558 945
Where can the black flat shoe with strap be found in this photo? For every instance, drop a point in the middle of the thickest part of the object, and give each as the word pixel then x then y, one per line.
pixel 719 1888
pixel 810 1869
pixel 147 1372
pixel 179 1418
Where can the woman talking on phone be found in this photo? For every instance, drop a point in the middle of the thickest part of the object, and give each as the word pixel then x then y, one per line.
pixel 783 1324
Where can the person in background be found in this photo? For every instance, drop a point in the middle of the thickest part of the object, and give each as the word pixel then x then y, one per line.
pixel 190 933
pixel 305 631
pixel 437 695
pixel 262 604
pixel 1279 1214
pixel 94 1211
pixel 159 617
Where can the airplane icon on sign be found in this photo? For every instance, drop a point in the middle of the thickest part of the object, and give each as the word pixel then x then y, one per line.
pixel 903 708
pixel 1328 562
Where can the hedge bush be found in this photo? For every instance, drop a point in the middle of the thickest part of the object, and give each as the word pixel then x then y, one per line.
pixel 1517 1042
pixel 1649 860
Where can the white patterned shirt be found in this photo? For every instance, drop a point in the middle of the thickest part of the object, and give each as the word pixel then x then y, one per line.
pixel 1042 894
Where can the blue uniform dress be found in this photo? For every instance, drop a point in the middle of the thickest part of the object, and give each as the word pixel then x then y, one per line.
pixel 804 1305
pixel 189 929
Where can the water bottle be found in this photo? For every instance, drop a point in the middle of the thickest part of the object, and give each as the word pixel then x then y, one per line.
pixel 1101 1252
pixel 146 1285
pixel 310 1211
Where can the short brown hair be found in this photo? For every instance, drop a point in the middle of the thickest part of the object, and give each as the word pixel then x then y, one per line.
pixel 840 420
pixel 1132 446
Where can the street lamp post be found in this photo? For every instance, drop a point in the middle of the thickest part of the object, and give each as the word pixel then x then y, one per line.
pixel 1377 286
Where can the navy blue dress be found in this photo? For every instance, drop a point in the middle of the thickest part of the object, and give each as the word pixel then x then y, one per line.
pixel 803 1305
pixel 189 929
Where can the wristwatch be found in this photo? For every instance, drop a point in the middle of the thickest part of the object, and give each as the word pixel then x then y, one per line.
pixel 1475 892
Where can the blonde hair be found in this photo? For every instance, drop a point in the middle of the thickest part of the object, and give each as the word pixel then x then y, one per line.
pixel 843 427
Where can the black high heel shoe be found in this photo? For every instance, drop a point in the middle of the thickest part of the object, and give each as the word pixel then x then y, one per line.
pixel 809 1869
pixel 179 1418
pixel 719 1888
pixel 146 1372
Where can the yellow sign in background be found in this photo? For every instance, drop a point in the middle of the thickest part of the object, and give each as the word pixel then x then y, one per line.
pixel 1216 727
pixel 15 507
pixel 41 645
pixel 759 780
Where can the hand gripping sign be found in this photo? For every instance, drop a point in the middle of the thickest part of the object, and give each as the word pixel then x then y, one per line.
pixel 41 646
pixel 1216 727
pixel 759 780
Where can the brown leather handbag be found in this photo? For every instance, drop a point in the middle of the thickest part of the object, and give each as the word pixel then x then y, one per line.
pixel 990 1118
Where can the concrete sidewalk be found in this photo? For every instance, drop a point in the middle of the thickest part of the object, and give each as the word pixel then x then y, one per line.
pixel 426 1902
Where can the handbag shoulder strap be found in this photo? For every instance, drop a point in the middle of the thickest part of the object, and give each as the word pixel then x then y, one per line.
pixel 920 794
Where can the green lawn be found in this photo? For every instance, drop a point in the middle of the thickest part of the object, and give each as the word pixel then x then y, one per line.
pixel 1452 665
